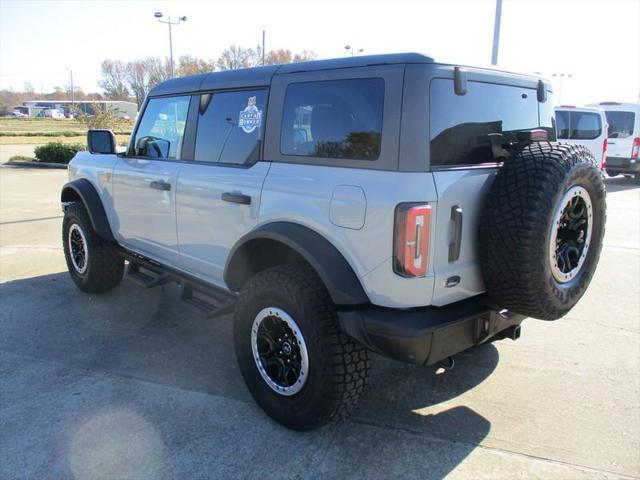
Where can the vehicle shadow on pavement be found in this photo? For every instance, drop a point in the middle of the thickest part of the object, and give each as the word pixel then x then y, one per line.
pixel 150 335
pixel 620 184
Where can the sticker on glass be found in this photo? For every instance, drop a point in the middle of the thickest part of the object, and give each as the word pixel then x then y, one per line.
pixel 250 118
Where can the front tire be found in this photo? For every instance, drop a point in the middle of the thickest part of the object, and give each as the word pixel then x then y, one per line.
pixel 93 263
pixel 299 366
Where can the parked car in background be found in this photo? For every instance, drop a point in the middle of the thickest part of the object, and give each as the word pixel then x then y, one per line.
pixel 18 114
pixel 623 138
pixel 51 113
pixel 585 126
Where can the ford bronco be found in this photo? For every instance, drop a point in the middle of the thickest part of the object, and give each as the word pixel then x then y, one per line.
pixel 380 203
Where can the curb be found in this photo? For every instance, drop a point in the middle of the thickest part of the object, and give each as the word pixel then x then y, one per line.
pixel 34 164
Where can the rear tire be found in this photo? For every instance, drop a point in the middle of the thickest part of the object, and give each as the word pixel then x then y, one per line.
pixel 93 263
pixel 295 302
pixel 541 230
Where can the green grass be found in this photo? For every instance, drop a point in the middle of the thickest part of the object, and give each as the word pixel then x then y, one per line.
pixel 20 140
pixel 18 131
pixel 9 124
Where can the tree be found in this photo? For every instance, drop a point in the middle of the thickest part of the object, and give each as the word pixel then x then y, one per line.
pixel 114 79
pixel 102 118
pixel 28 88
pixel 304 56
pixel 278 57
pixel 190 65
pixel 236 57
pixel 142 75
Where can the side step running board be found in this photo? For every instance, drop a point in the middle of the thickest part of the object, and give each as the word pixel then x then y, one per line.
pixel 211 300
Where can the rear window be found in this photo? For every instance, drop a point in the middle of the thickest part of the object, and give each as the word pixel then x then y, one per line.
pixel 460 124
pixel 333 119
pixel 620 123
pixel 578 125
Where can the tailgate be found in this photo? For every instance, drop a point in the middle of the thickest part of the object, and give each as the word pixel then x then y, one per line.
pixel 456 269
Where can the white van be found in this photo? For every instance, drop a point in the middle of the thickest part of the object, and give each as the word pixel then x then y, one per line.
pixel 585 126
pixel 624 138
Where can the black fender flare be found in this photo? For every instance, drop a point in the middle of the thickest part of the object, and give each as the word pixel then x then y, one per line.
pixel 342 283
pixel 84 189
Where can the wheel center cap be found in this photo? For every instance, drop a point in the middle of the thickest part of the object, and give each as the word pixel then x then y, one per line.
pixel 286 348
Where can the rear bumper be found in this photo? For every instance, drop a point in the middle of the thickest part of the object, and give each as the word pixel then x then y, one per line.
pixel 429 334
pixel 622 165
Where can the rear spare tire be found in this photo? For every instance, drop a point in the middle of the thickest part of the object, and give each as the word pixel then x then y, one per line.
pixel 541 229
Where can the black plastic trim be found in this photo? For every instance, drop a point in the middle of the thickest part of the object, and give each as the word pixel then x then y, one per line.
pixel 84 189
pixel 425 335
pixel 332 268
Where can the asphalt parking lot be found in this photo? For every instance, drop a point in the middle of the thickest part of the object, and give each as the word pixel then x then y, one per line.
pixel 134 384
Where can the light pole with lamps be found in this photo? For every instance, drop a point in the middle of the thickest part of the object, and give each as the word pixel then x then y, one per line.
pixel 170 22
pixel 562 77
pixel 349 48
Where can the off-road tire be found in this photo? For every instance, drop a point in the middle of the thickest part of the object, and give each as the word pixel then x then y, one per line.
pixel 516 225
pixel 338 366
pixel 105 267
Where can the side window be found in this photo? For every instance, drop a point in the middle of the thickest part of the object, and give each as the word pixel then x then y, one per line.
pixel 460 124
pixel 333 119
pixel 562 124
pixel 585 125
pixel 230 126
pixel 161 129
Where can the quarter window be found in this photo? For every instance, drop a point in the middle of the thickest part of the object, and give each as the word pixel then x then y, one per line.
pixel 578 125
pixel 161 129
pixel 230 126
pixel 334 119
pixel 460 124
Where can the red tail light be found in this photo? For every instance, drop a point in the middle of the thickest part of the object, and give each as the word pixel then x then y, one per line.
pixel 636 147
pixel 603 165
pixel 411 239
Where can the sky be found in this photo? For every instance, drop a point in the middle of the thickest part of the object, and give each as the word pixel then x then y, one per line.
pixel 596 42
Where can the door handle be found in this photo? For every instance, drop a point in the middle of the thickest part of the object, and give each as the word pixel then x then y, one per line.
pixel 454 246
pixel 160 185
pixel 236 198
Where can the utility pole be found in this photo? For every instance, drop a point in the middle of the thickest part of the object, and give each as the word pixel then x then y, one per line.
pixel 263 53
pixel 496 33
pixel 73 93
pixel 169 22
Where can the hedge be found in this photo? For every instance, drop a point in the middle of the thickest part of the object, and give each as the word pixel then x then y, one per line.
pixel 56 152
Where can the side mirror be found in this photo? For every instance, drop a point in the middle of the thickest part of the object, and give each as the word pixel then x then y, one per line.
pixel 101 141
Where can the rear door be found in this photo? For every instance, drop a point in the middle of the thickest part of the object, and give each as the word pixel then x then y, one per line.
pixel 218 194
pixel 623 128
pixel 144 181
pixel 464 167
pixel 582 127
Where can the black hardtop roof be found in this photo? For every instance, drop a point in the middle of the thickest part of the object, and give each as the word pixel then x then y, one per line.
pixel 261 76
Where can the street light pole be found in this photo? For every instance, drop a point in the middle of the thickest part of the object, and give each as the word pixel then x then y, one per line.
pixel 170 22
pixel 496 33
pixel 73 94
pixel 561 76
pixel 349 48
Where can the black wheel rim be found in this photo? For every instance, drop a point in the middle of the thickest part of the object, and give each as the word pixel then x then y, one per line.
pixel 78 248
pixel 279 351
pixel 571 234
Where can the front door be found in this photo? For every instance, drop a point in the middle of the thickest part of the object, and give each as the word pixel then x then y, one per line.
pixel 218 193
pixel 144 181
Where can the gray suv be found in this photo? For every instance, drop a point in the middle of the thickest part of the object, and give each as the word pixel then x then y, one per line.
pixel 385 203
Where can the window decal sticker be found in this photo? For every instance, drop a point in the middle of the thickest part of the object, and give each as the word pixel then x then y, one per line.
pixel 251 117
